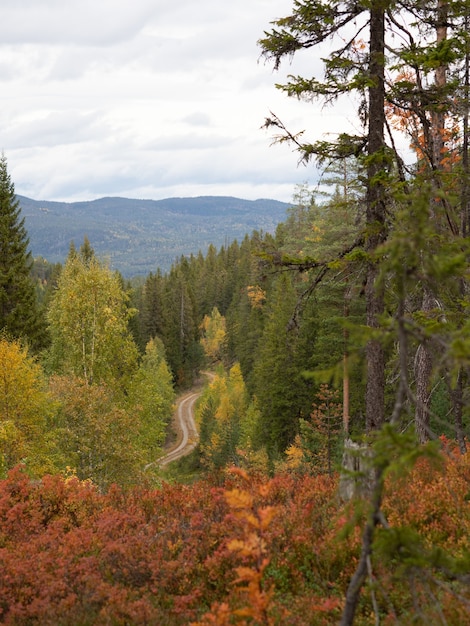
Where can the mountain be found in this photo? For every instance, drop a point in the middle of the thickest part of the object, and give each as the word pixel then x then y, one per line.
pixel 140 236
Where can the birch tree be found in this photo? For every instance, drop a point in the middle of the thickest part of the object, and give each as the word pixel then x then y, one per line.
pixel 88 319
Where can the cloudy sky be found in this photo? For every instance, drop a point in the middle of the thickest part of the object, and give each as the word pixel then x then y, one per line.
pixel 148 99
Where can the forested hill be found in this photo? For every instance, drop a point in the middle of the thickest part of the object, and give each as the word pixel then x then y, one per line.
pixel 139 236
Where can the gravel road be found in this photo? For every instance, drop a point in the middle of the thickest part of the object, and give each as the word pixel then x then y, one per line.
pixel 186 428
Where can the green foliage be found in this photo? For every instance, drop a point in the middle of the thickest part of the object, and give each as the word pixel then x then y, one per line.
pixel 150 399
pixel 179 330
pixel 282 393
pixel 150 311
pixel 97 439
pixel 19 315
pixel 317 446
pixel 88 317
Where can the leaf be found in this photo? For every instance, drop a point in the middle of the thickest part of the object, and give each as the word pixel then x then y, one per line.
pixel 238 499
pixel 266 516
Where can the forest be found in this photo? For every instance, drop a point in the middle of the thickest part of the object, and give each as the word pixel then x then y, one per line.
pixel 137 236
pixel 331 481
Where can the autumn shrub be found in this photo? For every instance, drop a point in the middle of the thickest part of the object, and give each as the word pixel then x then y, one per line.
pixel 247 551
pixel 434 500
pixel 423 555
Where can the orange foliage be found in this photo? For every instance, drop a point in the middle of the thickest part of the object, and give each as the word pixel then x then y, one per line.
pixel 407 120
pixel 435 502
pixel 249 552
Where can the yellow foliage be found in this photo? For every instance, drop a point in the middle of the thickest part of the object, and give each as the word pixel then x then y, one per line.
pixel 24 407
pixel 294 454
pixel 214 335
pixel 266 516
pixel 256 296
pixel 252 545
pixel 238 499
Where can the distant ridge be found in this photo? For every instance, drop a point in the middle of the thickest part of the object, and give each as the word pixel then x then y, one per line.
pixel 140 236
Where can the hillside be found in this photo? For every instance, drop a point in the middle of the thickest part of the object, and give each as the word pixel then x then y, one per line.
pixel 139 236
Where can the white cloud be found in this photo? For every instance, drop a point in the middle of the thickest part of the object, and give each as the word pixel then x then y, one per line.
pixel 147 99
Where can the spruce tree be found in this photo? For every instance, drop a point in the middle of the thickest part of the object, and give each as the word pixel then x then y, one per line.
pixel 279 386
pixel 18 307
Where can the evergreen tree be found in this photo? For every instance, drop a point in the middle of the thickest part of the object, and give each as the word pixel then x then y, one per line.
pixel 410 245
pixel 180 325
pixel 282 392
pixel 18 306
pixel 312 23
pixel 245 316
pixel 151 314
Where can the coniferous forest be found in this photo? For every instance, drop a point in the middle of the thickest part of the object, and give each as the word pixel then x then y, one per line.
pixel 331 479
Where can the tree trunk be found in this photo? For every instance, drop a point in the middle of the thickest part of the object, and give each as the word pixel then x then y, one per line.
pixel 375 223
pixel 456 398
pixel 423 373
pixel 424 356
pixel 375 218
pixel 359 577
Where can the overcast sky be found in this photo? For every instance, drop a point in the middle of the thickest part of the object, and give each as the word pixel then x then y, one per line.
pixel 148 99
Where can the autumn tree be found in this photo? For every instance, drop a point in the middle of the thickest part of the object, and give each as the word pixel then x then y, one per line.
pixel 214 336
pixel 97 438
pixel 150 399
pixel 18 306
pixel 88 319
pixel 221 413
pixel 26 411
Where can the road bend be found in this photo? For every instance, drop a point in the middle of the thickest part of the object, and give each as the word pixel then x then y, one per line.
pixel 186 425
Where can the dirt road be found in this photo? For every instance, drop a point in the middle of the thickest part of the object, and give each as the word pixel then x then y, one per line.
pixel 185 427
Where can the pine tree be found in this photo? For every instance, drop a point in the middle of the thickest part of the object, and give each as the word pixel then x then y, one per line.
pixel 408 47
pixel 18 307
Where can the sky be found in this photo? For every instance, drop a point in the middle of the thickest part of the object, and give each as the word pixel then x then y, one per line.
pixel 149 99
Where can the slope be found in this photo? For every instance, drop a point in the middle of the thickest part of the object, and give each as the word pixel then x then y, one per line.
pixel 140 236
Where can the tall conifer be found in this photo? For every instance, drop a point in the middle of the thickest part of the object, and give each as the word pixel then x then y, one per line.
pixel 18 308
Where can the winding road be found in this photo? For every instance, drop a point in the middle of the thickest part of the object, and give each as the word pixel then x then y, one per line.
pixel 186 428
